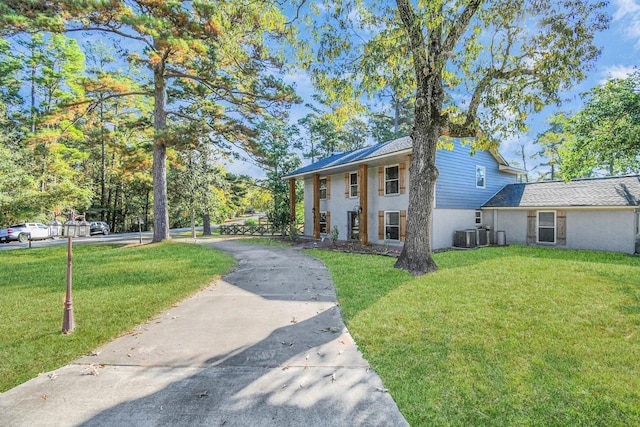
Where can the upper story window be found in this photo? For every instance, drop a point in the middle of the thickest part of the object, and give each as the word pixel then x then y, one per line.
pixel 481 176
pixel 353 184
pixel 391 180
pixel 323 188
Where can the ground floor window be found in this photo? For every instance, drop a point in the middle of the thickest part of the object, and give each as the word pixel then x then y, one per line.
pixel 323 222
pixel 546 227
pixel 478 217
pixel 392 225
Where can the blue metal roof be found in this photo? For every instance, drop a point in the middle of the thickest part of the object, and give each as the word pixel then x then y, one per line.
pixel 386 148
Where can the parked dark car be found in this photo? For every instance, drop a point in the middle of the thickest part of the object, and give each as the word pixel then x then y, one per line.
pixel 99 227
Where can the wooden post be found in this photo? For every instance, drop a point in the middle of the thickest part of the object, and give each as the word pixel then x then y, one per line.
pixel 316 206
pixel 292 205
pixel 363 182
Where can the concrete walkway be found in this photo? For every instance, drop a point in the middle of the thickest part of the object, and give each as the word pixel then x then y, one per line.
pixel 265 346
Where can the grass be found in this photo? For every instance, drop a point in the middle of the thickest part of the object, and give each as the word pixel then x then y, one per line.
pixel 500 336
pixel 114 289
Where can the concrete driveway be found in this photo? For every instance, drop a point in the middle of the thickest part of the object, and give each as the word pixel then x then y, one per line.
pixel 265 346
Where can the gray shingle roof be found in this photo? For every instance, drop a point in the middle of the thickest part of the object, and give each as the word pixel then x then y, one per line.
pixel 609 192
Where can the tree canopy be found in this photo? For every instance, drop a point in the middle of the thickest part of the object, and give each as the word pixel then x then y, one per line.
pixel 606 131
pixel 214 63
pixel 477 70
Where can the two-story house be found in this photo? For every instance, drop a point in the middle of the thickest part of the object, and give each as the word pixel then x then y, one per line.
pixel 364 193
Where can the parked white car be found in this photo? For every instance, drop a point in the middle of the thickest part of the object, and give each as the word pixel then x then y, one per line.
pixel 24 232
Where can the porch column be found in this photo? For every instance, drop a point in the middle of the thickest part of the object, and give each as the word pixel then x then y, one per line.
pixel 292 204
pixel 363 180
pixel 316 206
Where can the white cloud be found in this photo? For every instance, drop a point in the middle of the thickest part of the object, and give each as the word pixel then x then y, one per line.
pixel 627 12
pixel 616 72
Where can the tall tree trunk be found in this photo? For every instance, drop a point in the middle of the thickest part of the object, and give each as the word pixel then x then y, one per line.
pixel 193 223
pixel 160 208
pixel 103 165
pixel 114 212
pixel 396 116
pixel 206 224
pixel 416 256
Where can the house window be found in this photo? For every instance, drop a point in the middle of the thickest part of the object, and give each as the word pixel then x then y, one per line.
pixel 392 225
pixel 323 188
pixel 353 184
pixel 478 217
pixel 323 222
pixel 480 176
pixel 546 227
pixel 391 180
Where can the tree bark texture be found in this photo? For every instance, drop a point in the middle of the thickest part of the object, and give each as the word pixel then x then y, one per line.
pixel 160 200
pixel 416 256
pixel 206 225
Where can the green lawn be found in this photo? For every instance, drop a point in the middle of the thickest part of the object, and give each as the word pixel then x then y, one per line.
pixel 500 336
pixel 114 289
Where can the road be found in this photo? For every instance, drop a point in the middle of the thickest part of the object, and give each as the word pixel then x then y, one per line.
pixel 144 237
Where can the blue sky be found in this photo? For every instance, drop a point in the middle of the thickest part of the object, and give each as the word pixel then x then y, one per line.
pixel 620 54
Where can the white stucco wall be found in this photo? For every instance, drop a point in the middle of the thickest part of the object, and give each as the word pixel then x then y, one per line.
pixel 601 230
pixel 446 222
pixel 604 230
pixel 513 223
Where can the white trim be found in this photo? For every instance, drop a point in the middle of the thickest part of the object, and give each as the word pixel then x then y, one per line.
pixel 559 208
pixel 384 179
pixel 484 176
pixel 320 188
pixel 392 225
pixel 555 228
pixel 351 196
pixel 320 222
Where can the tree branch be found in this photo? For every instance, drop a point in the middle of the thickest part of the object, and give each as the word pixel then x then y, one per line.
pixel 460 27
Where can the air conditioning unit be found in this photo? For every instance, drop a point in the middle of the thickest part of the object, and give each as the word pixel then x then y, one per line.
pixel 465 238
pixel 482 237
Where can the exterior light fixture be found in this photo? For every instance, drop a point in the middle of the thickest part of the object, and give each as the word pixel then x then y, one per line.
pixel 71 229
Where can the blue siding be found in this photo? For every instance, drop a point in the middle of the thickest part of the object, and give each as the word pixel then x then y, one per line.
pixel 456 185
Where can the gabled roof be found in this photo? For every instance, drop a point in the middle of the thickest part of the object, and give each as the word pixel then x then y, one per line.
pixel 623 191
pixel 389 148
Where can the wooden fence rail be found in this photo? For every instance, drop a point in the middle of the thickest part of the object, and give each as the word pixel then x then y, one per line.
pixel 258 230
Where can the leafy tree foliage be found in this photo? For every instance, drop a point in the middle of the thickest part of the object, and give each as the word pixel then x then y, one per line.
pixel 392 122
pixel 551 142
pixel 277 141
pixel 195 183
pixel 327 136
pixel 201 58
pixel 477 69
pixel 607 131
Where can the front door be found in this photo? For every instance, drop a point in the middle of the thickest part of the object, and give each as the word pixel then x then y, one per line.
pixel 353 225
